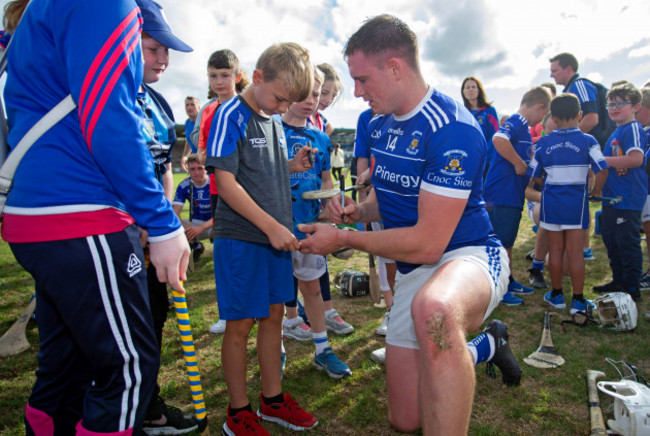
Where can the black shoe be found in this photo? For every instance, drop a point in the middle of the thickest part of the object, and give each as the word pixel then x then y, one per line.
pixel 530 255
pixel 609 287
pixel 503 357
pixel 197 251
pixel 536 278
pixel 177 421
pixel 635 294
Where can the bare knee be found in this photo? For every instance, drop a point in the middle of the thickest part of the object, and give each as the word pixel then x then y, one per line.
pixel 434 322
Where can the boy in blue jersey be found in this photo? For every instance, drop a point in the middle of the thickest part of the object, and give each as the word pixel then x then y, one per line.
pixel 308 268
pixel 247 150
pixel 506 178
pixel 566 156
pixel 643 117
pixel 158 129
pixel 621 221
pixel 196 190
pixel 427 156
pixel 98 359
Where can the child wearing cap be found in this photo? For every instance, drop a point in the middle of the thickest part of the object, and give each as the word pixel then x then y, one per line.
pixel 247 151
pixel 158 129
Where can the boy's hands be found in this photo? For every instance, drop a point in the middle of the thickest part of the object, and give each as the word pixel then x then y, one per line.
pixel 282 239
pixel 301 161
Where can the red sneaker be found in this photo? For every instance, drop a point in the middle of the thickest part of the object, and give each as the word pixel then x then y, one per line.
pixel 243 423
pixel 288 414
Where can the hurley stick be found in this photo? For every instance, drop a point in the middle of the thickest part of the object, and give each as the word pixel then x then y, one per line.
pixel 14 341
pixel 546 355
pixel 191 365
pixel 375 291
pixel 595 412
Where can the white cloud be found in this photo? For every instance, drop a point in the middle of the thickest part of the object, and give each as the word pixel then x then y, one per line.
pixel 506 43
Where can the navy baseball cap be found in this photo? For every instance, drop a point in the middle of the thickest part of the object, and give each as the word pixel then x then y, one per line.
pixel 155 24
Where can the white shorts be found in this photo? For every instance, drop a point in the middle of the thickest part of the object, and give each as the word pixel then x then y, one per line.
pixel 645 213
pixel 492 261
pixel 307 267
pixel 559 227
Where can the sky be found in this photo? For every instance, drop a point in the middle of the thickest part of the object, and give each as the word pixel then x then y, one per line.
pixel 504 43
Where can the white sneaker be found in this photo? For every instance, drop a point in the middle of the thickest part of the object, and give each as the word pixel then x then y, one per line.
pixel 335 324
pixel 379 356
pixel 300 332
pixel 383 328
pixel 219 327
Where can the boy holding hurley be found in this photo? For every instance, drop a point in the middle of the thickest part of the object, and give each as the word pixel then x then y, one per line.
pixel 247 150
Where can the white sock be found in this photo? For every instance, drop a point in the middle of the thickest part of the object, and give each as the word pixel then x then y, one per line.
pixel 328 312
pixel 320 341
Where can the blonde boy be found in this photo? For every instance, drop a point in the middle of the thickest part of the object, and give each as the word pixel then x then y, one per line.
pixel 247 151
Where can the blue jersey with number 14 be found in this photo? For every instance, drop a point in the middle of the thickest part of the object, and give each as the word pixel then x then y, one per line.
pixel 438 147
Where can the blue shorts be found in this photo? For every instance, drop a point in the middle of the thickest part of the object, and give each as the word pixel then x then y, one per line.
pixel 250 277
pixel 505 221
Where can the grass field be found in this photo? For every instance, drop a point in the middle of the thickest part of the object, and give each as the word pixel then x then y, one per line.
pixel 548 402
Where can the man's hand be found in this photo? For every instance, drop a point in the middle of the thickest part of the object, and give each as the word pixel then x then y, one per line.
pixel 351 213
pixel 301 161
pixel 170 257
pixel 321 239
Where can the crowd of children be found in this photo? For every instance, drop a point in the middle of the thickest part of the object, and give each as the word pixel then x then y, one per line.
pixel 271 127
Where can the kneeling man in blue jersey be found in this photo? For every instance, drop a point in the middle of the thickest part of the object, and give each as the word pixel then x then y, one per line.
pixel 196 190
pixel 427 161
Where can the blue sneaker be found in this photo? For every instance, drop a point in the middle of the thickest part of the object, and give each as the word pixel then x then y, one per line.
pixel 328 361
pixel 517 288
pixel 588 254
pixel 579 306
pixel 510 300
pixel 557 301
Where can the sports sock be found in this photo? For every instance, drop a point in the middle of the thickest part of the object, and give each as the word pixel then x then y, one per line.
pixel 320 341
pixel 538 264
pixel 327 312
pixel 556 292
pixel 291 323
pixel 273 400
pixel 580 298
pixel 282 350
pixel 234 411
pixel 482 348
pixel 511 279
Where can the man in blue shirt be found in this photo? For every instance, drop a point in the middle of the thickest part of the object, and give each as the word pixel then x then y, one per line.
pixel 427 155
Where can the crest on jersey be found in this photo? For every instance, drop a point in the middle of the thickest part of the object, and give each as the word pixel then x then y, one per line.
pixel 454 165
pixel 413 149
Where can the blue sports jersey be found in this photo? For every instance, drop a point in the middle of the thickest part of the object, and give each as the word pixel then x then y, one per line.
pixel 566 155
pixel 630 183
pixel 91 173
pixel 586 93
pixel 199 198
pixel 189 127
pixel 503 187
pixel 422 151
pixel 158 128
pixel 361 148
pixel 647 153
pixel 487 119
pixel 306 211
